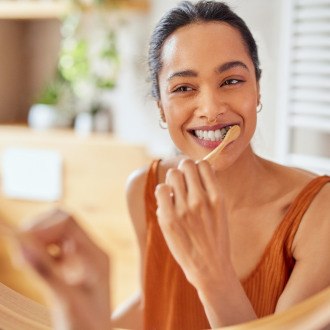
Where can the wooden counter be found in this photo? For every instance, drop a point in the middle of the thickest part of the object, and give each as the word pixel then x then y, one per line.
pixel 96 168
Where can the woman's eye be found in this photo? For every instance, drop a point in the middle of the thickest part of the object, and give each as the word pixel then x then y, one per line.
pixel 229 82
pixel 182 89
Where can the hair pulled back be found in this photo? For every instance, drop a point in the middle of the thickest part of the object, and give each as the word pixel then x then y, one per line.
pixel 187 13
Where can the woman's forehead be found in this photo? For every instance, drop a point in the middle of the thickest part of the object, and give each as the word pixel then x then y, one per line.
pixel 200 42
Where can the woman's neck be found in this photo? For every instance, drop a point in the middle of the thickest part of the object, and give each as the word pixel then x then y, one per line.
pixel 245 182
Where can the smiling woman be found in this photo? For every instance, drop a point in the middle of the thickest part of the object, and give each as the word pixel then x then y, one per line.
pixel 220 245
pixel 204 79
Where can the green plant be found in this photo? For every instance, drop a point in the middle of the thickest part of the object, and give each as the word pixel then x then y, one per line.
pixel 50 94
pixel 87 67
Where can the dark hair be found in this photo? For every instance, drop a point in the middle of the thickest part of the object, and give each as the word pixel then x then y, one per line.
pixel 186 13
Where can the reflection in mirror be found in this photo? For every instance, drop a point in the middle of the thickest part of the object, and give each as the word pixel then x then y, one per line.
pixel 152 236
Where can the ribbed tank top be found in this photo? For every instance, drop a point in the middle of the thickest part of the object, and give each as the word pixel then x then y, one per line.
pixel 172 303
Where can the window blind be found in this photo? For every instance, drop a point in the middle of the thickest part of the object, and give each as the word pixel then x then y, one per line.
pixel 307 103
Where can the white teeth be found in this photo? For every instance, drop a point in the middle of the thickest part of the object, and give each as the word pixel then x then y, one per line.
pixel 216 135
pixel 224 131
pixel 211 136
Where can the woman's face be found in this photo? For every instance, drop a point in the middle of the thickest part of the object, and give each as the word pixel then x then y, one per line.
pixel 208 75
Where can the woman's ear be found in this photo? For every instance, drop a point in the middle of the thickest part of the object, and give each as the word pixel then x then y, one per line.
pixel 161 111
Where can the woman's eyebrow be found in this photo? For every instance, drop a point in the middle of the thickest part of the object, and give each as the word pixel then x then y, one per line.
pixel 229 65
pixel 183 73
pixel 220 69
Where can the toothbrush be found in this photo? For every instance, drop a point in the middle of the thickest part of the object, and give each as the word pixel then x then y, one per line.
pixel 231 135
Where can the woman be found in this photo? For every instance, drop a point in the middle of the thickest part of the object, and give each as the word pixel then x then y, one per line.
pixel 219 245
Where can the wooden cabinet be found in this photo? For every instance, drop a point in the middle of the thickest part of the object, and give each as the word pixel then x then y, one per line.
pixel 30 42
pixel 30 39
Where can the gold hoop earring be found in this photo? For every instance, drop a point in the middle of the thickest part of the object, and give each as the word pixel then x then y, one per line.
pixel 259 107
pixel 162 121
pixel 162 124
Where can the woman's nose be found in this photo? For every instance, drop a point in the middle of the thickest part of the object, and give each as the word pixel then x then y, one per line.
pixel 210 106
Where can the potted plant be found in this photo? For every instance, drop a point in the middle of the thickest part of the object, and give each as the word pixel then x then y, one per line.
pixel 52 108
pixel 87 70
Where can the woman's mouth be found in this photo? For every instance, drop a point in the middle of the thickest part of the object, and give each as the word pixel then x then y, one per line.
pixel 210 137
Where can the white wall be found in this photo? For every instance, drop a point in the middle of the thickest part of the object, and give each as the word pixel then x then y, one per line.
pixel 136 116
pixel 135 112
pixel 264 20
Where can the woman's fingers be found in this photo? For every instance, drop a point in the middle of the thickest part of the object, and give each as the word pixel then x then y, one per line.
pixel 197 192
pixel 165 203
pixel 169 221
pixel 175 179
pixel 191 175
pixel 190 186
pixel 38 258
pixel 66 251
pixel 58 230
pixel 209 182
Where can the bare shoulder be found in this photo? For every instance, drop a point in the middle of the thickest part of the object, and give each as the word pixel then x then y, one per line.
pixel 313 235
pixel 316 221
pixel 287 182
pixel 310 246
pixel 136 182
pixel 135 201
pixel 310 249
pixel 135 192
pixel 296 177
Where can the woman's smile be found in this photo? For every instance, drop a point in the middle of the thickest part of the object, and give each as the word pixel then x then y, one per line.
pixel 210 136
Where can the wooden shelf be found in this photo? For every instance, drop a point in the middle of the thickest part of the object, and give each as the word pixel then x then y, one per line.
pixel 138 5
pixel 33 9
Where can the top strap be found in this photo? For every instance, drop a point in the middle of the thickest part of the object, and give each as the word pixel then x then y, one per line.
pixel 290 224
pixel 149 191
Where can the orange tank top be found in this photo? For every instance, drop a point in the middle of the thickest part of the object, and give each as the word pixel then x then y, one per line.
pixel 171 302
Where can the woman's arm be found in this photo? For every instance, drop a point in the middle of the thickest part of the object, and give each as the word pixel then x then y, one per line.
pixel 130 314
pixel 193 219
pixel 311 251
pixel 75 269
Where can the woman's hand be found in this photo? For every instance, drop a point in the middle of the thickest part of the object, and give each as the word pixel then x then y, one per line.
pixel 75 269
pixel 192 217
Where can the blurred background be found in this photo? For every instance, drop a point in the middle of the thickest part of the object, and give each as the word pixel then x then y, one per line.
pixel 73 81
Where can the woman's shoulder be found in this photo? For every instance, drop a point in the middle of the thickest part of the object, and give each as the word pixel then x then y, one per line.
pixel 136 203
pixel 282 185
pixel 313 234
pixel 297 180
pixel 136 180
pixel 304 180
pixel 289 178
